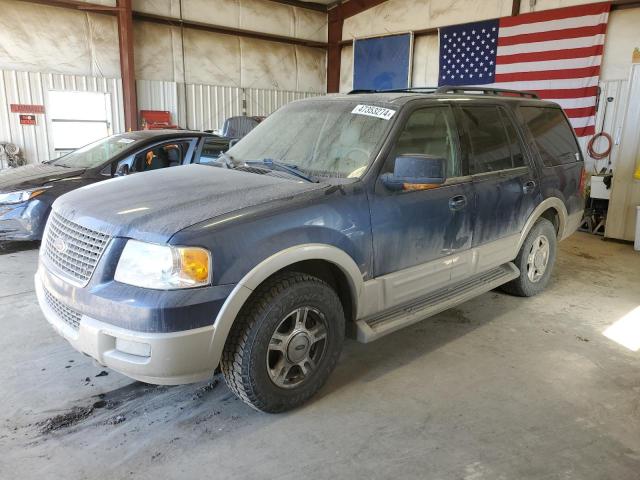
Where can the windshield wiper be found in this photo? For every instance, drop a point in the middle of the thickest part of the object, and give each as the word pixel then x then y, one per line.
pixel 228 160
pixel 292 169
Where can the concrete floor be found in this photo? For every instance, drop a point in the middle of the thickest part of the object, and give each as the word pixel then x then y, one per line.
pixel 499 388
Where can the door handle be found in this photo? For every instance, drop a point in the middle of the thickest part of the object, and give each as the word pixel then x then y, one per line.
pixel 529 186
pixel 457 203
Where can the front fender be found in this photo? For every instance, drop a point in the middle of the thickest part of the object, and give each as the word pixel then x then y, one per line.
pixel 276 262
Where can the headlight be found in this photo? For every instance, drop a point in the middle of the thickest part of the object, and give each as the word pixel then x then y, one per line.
pixel 21 195
pixel 163 267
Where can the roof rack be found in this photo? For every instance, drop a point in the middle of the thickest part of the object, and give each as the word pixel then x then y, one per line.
pixel 486 91
pixel 397 90
pixel 453 89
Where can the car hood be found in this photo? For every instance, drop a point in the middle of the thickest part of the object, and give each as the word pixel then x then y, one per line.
pixel 32 176
pixel 155 205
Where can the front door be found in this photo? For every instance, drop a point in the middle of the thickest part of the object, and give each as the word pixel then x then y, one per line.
pixel 415 231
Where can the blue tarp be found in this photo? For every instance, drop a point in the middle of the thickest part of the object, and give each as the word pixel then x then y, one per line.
pixel 382 63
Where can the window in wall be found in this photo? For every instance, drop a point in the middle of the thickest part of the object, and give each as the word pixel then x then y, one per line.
pixel 552 135
pixel 78 118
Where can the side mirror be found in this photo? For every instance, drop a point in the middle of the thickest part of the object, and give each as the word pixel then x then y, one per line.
pixel 416 172
pixel 122 170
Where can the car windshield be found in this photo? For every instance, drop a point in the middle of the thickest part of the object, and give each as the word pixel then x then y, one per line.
pixel 96 153
pixel 324 138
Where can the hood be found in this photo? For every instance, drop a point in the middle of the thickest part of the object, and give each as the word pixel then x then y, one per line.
pixel 32 176
pixel 152 206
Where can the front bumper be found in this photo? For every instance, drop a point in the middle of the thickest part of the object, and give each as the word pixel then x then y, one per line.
pixel 23 221
pixel 166 358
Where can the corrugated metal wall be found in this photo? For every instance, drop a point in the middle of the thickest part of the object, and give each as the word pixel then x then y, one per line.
pixel 32 88
pixel 207 106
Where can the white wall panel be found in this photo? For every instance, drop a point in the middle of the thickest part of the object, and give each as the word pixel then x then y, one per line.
pixel 36 37
pixel 395 16
pixel 264 102
pixel 209 105
pixel 346 69
pixel 611 123
pixel 256 15
pixel 33 88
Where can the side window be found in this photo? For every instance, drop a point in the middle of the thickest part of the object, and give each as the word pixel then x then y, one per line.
pixel 170 154
pixel 429 131
pixel 491 148
pixel 212 149
pixel 552 135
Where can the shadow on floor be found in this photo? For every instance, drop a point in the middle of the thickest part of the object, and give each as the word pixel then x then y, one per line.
pixel 13 247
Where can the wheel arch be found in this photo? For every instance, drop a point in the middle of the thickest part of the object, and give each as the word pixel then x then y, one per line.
pixel 326 261
pixel 554 210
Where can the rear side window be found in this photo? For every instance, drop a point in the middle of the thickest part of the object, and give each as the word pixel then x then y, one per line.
pixel 552 135
pixel 493 141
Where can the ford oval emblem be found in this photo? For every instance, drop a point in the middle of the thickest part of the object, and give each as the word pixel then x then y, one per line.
pixel 59 245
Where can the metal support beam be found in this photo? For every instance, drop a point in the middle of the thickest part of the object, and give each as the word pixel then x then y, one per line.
pixel 515 8
pixel 76 5
pixel 334 35
pixel 127 66
pixel 207 27
pixel 318 7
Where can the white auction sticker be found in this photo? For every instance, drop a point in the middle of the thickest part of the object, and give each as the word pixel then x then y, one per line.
pixel 126 140
pixel 371 111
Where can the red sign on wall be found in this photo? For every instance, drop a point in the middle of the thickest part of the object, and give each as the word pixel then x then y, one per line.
pixel 23 108
pixel 27 119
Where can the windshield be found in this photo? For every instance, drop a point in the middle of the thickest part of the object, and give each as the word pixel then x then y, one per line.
pixel 324 138
pixel 96 153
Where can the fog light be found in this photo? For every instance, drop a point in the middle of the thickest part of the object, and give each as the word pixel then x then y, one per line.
pixel 133 348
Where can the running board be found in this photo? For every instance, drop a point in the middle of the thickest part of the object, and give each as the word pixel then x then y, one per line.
pixel 374 327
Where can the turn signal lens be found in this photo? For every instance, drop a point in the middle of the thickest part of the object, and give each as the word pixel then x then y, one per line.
pixel 194 263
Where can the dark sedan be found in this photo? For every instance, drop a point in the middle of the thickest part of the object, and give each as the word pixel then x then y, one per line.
pixel 26 193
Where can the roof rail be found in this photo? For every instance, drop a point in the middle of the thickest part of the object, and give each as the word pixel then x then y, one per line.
pixel 486 91
pixel 397 90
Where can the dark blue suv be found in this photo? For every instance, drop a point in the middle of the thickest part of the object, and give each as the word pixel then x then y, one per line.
pixel 359 213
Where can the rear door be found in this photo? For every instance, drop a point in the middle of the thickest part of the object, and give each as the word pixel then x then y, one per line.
pixel 553 140
pixel 505 184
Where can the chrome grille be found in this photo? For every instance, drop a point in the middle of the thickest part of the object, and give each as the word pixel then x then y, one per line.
pixel 73 249
pixel 66 314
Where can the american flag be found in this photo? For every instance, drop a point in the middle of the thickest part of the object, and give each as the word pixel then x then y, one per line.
pixel 555 53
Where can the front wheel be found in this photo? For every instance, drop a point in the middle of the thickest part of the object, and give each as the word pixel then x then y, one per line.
pixel 535 260
pixel 285 342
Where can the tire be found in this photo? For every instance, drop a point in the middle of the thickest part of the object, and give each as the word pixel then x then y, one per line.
pixel 529 284
pixel 281 328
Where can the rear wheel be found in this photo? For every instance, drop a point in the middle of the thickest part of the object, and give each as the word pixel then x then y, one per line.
pixel 535 260
pixel 285 342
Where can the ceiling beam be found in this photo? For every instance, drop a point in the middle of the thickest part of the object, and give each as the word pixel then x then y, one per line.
pixel 207 27
pixel 76 5
pixel 318 7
